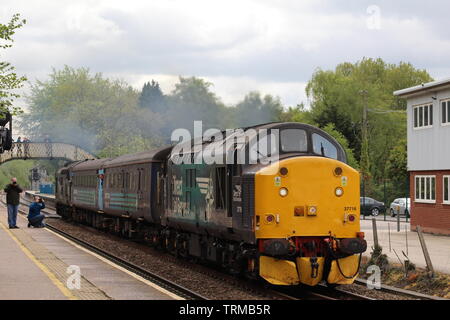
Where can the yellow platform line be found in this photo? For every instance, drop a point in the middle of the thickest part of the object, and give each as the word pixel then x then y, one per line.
pixel 64 290
pixel 114 265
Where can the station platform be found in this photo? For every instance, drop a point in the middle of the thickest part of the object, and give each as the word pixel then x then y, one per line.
pixel 38 264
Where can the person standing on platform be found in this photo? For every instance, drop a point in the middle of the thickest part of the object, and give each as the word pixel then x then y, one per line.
pixel 35 217
pixel 13 191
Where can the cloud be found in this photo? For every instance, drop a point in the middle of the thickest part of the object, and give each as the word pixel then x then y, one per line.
pixel 267 45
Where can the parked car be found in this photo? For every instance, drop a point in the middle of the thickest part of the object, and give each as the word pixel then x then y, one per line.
pixel 400 205
pixel 371 206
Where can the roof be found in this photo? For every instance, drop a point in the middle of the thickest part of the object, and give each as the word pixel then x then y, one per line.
pixel 222 148
pixel 89 164
pixel 423 88
pixel 156 155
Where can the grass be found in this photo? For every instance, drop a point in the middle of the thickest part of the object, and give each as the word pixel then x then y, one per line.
pixel 415 279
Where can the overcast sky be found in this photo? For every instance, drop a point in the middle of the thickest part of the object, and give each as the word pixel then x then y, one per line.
pixel 266 45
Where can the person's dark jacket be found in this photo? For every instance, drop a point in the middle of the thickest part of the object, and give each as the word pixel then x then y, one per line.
pixel 13 194
pixel 35 209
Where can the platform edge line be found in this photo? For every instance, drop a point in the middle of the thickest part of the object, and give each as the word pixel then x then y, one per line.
pixel 137 277
pixel 40 265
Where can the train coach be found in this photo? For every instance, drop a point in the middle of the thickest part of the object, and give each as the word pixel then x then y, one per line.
pixel 290 221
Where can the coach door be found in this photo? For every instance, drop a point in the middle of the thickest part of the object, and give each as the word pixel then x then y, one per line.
pixel 139 188
pixel 100 175
pixel 143 188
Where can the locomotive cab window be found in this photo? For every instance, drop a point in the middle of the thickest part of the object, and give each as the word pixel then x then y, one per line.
pixel 323 146
pixel 293 140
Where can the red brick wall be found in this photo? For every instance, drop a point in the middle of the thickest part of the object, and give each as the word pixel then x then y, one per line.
pixel 433 218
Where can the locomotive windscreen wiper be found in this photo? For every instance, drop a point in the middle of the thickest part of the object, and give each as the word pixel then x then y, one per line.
pixel 322 150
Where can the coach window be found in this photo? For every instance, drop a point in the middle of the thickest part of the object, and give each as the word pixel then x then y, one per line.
pixel 119 180
pixel 126 180
pixel 293 140
pixel 423 116
pixel 323 146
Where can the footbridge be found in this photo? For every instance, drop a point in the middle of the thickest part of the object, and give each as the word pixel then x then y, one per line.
pixel 45 150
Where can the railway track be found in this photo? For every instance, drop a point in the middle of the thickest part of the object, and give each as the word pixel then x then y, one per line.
pixel 320 292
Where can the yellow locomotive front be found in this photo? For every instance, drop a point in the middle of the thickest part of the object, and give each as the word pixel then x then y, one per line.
pixel 307 226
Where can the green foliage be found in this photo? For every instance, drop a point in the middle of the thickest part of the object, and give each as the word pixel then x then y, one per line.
pixel 110 118
pixel 337 98
pixel 17 168
pixel 397 162
pixel 87 110
pixel 152 97
pixel 191 100
pixel 255 110
pixel 297 114
pixel 331 130
pixel 9 80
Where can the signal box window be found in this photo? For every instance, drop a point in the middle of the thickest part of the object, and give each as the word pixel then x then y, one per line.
pixel 447 189
pixel 423 116
pixel 445 106
pixel 293 140
pixel 323 146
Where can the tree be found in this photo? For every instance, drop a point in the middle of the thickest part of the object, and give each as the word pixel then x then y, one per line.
pixel 297 114
pixel 256 110
pixel 337 99
pixel 152 97
pixel 77 107
pixel 331 130
pixel 9 80
pixel 397 164
pixel 192 100
pixel 17 168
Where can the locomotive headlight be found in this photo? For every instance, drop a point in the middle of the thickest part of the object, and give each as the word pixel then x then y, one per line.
pixel 283 192
pixel 339 191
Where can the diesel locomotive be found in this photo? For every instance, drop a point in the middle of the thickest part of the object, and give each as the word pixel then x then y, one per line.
pixel 290 221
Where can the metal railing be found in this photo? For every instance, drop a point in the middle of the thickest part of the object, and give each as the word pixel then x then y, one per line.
pixel 45 150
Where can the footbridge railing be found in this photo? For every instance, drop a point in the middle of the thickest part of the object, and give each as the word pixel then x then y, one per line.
pixel 45 150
